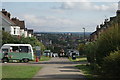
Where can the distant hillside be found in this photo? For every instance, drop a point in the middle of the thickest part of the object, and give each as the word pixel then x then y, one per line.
pixel 81 33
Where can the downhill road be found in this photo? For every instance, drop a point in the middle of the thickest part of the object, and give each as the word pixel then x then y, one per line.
pixel 57 69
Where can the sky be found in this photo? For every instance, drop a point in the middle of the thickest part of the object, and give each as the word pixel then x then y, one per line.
pixel 61 16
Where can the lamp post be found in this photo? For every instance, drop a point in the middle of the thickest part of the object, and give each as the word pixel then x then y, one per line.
pixel 84 35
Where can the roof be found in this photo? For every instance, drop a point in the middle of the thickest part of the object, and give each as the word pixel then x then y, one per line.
pixel 7 19
pixel 16 45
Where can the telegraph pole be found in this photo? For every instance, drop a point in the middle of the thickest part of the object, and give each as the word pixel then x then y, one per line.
pixel 84 35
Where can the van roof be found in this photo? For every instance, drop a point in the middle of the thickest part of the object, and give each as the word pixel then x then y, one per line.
pixel 16 45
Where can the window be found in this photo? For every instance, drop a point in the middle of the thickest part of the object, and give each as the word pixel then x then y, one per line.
pixel 14 30
pixel 4 50
pixel 3 29
pixel 15 48
pixel 24 49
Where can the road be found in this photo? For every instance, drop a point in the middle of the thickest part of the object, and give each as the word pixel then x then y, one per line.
pixel 59 68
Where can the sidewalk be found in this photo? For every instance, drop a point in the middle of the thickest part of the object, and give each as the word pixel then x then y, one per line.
pixel 59 68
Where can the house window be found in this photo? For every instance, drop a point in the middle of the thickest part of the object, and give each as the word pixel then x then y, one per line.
pixel 14 30
pixel 3 29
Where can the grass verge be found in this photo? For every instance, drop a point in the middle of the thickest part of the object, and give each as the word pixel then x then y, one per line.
pixel 19 72
pixel 81 59
pixel 44 58
pixel 88 72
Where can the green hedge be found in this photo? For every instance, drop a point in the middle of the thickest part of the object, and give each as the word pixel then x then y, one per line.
pixel 111 64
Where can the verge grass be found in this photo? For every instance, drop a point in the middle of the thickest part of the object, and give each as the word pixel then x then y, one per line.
pixel 19 72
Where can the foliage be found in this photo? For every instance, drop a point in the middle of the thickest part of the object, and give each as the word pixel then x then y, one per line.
pixel 107 42
pixel 44 58
pixel 7 38
pixel 99 52
pixel 81 48
pixel 90 52
pixel 111 64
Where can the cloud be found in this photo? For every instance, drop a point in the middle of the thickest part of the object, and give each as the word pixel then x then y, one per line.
pixel 85 5
pixel 50 23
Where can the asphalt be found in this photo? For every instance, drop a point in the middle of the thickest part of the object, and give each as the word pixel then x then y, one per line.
pixel 57 69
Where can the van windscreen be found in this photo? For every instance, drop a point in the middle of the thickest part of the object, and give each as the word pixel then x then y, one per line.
pixel 4 50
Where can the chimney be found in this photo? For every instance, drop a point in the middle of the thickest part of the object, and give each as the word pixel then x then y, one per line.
pixel 119 5
pixel 97 28
pixel 6 13
pixel 118 13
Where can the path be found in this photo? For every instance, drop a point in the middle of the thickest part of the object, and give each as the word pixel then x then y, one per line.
pixel 58 68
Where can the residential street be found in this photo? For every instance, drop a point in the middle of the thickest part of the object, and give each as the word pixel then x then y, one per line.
pixel 59 68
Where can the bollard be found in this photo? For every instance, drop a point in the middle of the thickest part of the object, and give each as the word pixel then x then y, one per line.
pixel 37 59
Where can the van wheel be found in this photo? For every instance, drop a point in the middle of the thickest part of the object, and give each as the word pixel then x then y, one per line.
pixel 20 61
pixel 5 59
pixel 25 60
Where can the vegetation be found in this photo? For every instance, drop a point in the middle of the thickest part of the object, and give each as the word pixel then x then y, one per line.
pixel 88 73
pixel 111 65
pixel 81 59
pixel 101 55
pixel 19 72
pixel 81 48
pixel 7 38
pixel 44 58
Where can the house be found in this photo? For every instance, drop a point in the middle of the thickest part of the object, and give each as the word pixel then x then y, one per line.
pixel 30 32
pixel 23 30
pixel 7 25
pixel 103 27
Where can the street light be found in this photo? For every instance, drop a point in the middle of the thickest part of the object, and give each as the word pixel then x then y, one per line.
pixel 84 35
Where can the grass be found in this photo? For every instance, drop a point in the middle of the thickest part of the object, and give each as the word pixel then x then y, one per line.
pixel 81 59
pixel 19 72
pixel 88 73
pixel 44 58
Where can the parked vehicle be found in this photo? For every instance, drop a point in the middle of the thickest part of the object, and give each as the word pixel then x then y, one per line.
pixel 47 53
pixel 21 52
pixel 71 51
pixel 55 55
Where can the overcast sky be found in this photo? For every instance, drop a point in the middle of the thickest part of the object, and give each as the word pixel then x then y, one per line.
pixel 61 16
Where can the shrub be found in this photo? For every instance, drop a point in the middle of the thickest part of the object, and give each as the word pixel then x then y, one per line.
pixel 111 64
pixel 108 41
pixel 90 49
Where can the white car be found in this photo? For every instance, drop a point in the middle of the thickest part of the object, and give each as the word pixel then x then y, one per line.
pixel 55 54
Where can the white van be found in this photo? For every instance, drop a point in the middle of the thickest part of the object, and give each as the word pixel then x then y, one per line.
pixel 22 52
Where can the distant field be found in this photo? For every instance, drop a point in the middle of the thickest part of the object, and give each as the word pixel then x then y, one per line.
pixel 19 72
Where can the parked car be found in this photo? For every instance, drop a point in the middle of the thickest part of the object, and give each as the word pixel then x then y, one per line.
pixel 55 55
pixel 71 51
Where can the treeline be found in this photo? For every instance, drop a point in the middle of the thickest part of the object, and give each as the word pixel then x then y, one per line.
pixel 10 39
pixel 104 54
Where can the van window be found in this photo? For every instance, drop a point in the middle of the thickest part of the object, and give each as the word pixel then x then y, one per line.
pixel 24 49
pixel 4 50
pixel 15 48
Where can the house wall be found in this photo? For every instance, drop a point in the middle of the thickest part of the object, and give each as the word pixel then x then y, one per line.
pixel 15 30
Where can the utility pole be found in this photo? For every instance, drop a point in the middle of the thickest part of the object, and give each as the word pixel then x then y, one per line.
pixel 84 35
